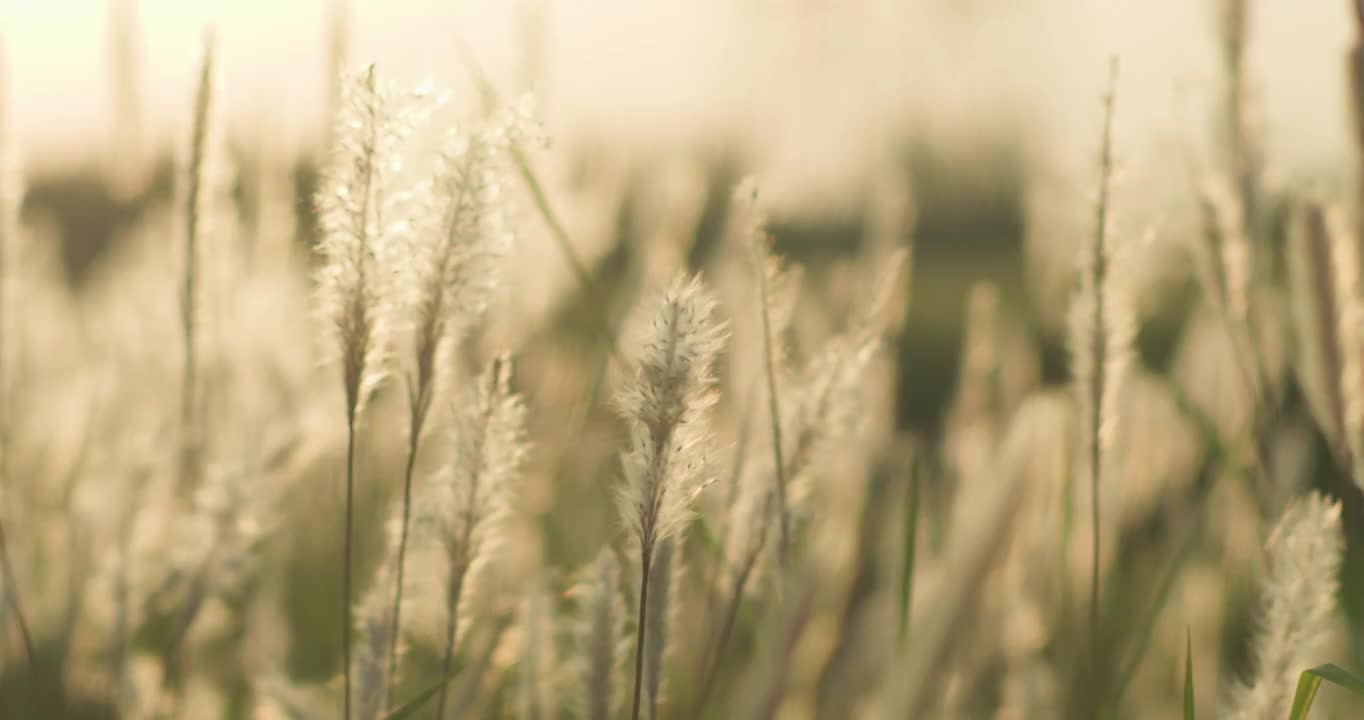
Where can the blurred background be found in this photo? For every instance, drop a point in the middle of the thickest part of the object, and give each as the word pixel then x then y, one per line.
pixel 968 129
pixel 985 106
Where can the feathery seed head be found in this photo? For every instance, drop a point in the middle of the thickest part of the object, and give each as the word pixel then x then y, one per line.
pixel 468 502
pixel 1101 322
pixel 664 584
pixel 1297 597
pixel 454 259
pixel 1101 333
pixel 665 406
pixel 357 205
pixel 778 280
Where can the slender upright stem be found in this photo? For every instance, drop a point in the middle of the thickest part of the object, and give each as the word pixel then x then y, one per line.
pixel 346 568
pixel 644 562
pixel 451 630
pixel 412 447
pixel 712 667
pixel 1098 349
pixel 189 426
pixel 12 585
pixel 783 515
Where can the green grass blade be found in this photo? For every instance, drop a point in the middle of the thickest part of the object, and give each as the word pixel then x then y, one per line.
pixel 907 567
pixel 1310 681
pixel 1188 676
pixel 417 702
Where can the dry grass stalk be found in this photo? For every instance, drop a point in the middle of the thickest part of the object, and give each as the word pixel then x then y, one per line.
pixel 196 213
pixel 353 283
pixel 453 267
pixel 1319 315
pixel 1243 150
pixel 665 406
pixel 472 498
pixel 768 274
pixel 1100 336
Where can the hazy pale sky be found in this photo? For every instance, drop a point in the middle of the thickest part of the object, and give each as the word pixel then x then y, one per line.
pixel 817 85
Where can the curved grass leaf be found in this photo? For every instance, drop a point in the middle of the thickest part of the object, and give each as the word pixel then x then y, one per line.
pixel 1310 681
pixel 419 701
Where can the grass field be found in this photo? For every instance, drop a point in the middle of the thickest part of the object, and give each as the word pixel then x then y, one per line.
pixel 458 408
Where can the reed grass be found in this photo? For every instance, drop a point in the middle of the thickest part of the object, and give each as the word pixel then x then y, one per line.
pixel 665 406
pixel 511 548
pixel 1095 360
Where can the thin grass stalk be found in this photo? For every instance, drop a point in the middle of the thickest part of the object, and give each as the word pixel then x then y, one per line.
pixel 1355 71
pixel 1227 276
pixel 646 555
pixel 347 561
pixel 12 590
pixel 1246 161
pixel 453 273
pixel 451 631
pixel 1098 348
pixel 420 404
pixel 774 414
pixel 489 447
pixel 461 563
pixel 1326 318
pixel 663 568
pixel 194 192
pixel 456 589
pixel 353 288
pixel 714 543
pixel 665 406
pixel 1243 152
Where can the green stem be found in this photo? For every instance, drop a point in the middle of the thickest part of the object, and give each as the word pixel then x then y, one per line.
pixel 783 515
pixel 644 563
pixel 346 567
pixel 413 445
